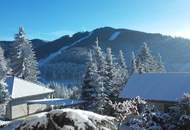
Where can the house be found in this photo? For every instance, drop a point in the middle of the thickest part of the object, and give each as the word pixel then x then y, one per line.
pixel 161 89
pixel 21 92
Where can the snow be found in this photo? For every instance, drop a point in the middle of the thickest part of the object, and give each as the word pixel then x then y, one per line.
pixel 21 88
pixel 4 123
pixel 53 55
pixel 114 36
pixel 56 101
pixel 157 86
pixel 42 119
pixel 81 120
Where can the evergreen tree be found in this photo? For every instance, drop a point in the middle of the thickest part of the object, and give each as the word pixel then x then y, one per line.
pixel 134 64
pixel 3 64
pixel 101 79
pixel 121 60
pixel 89 88
pixel 100 59
pixel 24 64
pixel 117 75
pixel 123 67
pixel 161 67
pixel 111 77
pixel 146 62
pixel 101 100
pixel 4 95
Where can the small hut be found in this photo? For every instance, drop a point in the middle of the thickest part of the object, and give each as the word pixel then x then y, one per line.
pixel 21 91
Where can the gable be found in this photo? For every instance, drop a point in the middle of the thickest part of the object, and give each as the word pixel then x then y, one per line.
pixel 20 88
pixel 157 86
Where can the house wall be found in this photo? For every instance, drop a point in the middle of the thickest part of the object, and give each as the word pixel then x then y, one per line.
pixel 18 107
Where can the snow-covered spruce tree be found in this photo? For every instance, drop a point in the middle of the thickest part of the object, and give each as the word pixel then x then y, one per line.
pixel 3 64
pixel 101 79
pixel 161 67
pixel 100 60
pixel 110 79
pixel 24 64
pixel 116 76
pixel 4 95
pixel 147 62
pixel 90 85
pixel 101 100
pixel 121 60
pixel 123 66
pixel 134 68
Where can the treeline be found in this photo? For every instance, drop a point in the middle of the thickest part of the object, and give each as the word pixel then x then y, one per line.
pixel 62 71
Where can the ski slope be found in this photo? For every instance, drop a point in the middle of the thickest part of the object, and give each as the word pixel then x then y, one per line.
pixel 55 54
pixel 114 36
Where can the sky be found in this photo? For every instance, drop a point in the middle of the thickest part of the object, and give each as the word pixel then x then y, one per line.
pixel 51 19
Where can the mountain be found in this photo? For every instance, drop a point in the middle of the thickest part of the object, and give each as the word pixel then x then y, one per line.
pixel 64 58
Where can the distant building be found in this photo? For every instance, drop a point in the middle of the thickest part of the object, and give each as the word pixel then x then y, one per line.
pixel 161 89
pixel 21 92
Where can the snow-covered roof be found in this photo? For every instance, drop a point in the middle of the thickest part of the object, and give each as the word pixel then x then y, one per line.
pixel 56 101
pixel 21 88
pixel 157 86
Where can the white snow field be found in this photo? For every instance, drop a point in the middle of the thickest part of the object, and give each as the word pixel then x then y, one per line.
pixel 53 55
pixel 114 36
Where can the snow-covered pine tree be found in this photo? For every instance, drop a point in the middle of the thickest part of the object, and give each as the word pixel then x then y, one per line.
pixel 101 99
pixel 123 67
pixel 147 62
pixel 111 84
pixel 134 68
pixel 102 77
pixel 161 67
pixel 4 95
pixel 121 60
pixel 89 87
pixel 116 76
pixel 100 59
pixel 3 64
pixel 24 64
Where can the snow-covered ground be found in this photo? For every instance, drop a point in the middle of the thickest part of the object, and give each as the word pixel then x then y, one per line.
pixel 11 125
pixel 65 119
pixel 114 36
pixel 53 55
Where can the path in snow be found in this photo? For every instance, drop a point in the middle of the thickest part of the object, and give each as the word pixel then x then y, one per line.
pixel 114 36
pixel 53 55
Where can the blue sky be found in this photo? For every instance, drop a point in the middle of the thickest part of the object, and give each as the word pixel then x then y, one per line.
pixel 50 19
